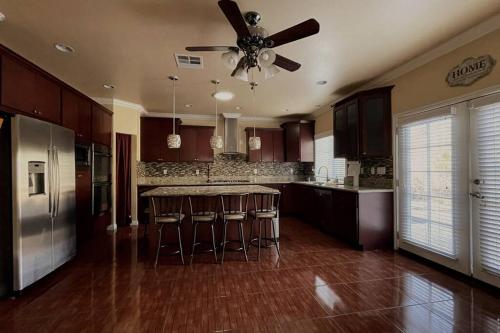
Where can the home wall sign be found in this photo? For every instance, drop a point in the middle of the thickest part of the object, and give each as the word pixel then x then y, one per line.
pixel 470 70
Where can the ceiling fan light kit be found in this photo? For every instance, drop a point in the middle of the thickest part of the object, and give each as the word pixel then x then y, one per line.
pixel 173 140
pixel 255 43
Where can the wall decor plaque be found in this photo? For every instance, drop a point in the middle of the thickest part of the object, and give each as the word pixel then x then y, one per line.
pixel 470 70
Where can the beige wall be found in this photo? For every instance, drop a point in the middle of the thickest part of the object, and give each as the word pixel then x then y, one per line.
pixel 324 122
pixel 126 121
pixel 426 84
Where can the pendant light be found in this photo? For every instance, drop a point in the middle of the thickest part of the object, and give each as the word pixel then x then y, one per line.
pixel 254 141
pixel 216 141
pixel 173 140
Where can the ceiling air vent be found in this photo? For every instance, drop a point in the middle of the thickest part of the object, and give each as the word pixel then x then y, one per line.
pixel 189 61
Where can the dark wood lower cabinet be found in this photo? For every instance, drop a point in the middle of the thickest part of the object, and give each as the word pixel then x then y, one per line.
pixel 364 220
pixel 83 194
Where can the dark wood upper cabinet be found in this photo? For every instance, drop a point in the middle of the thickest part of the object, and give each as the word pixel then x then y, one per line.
pixel 271 150
pixel 30 92
pixel 376 124
pixel 278 146
pixel 299 141
pixel 204 153
pixel 195 144
pixel 362 125
pixel 154 133
pixel 102 125
pixel 77 115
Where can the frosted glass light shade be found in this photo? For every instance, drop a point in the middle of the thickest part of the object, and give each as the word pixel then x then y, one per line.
pixel 174 141
pixel 230 59
pixel 254 143
pixel 267 57
pixel 216 142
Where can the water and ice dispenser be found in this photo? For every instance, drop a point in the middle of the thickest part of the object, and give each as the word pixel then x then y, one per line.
pixel 36 174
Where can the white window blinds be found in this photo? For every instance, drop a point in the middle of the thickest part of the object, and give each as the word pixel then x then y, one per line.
pixel 487 150
pixel 323 156
pixel 430 190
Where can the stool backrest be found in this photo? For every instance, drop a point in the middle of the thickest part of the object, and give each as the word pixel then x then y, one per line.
pixel 167 205
pixel 203 204
pixel 266 202
pixel 234 203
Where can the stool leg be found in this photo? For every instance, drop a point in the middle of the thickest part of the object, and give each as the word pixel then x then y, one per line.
pixel 180 242
pixel 223 241
pixel 195 226
pixel 274 237
pixel 242 240
pixel 159 245
pixel 213 242
pixel 251 234
pixel 260 236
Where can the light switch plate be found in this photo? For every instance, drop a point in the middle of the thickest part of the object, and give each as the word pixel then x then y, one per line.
pixel 197 172
pixel 165 171
pixel 254 171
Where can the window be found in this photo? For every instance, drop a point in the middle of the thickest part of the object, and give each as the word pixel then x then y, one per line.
pixel 428 184
pixel 323 156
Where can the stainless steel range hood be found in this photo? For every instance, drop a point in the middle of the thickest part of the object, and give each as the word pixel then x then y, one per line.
pixel 231 133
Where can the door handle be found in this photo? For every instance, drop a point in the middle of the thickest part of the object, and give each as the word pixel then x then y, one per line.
pixel 51 175
pixel 58 182
pixel 477 195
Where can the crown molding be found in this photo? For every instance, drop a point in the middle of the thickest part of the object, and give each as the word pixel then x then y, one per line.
pixel 118 102
pixel 464 38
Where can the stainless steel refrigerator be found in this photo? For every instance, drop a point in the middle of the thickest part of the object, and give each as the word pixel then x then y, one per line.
pixel 43 186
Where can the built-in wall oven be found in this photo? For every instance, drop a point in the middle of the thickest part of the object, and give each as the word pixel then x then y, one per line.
pixel 101 179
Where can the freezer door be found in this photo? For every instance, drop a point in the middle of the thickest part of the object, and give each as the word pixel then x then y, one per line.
pixel 64 226
pixel 31 182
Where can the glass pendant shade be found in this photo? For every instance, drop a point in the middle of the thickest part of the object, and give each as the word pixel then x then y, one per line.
pixel 267 57
pixel 254 143
pixel 174 141
pixel 216 142
pixel 229 59
pixel 241 74
pixel 270 71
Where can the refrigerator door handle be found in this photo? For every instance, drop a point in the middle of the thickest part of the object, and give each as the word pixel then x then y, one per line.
pixel 58 182
pixel 50 176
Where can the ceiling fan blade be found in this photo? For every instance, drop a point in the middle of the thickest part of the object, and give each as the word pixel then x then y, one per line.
pixel 286 63
pixel 299 31
pixel 241 64
pixel 212 48
pixel 233 14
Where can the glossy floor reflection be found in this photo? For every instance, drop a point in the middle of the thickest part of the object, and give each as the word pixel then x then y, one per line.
pixel 318 285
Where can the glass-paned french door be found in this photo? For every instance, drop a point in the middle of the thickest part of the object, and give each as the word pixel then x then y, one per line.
pixel 448 186
pixel 485 188
pixel 432 191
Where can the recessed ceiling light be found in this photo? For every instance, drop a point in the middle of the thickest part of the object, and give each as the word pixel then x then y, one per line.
pixel 321 83
pixel 238 107
pixel 64 48
pixel 188 105
pixel 108 86
pixel 223 95
pixel 2 17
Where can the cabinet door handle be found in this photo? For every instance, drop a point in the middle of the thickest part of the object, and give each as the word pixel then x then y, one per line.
pixel 35 111
pixel 160 159
pixel 80 135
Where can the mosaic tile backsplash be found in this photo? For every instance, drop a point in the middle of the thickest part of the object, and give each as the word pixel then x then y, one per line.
pixel 367 179
pixel 231 166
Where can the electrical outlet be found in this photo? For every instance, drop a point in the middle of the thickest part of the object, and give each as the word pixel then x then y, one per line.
pixel 372 170
pixel 381 171
pixel 291 171
pixel 254 171
pixel 197 172
pixel 165 171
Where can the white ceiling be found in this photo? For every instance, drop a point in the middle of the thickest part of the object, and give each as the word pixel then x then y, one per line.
pixel 130 44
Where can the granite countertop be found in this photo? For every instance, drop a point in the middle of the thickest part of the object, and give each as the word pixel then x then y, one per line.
pixel 198 181
pixel 208 190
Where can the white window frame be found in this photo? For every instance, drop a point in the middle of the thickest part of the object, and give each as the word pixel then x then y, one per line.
pixel 330 167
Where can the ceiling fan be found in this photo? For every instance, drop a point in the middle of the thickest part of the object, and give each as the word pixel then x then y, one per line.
pixel 255 43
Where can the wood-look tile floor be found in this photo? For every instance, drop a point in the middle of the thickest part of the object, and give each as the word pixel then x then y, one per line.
pixel 318 285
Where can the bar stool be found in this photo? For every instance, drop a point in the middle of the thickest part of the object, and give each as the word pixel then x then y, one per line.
pixel 203 210
pixel 266 208
pixel 234 209
pixel 168 211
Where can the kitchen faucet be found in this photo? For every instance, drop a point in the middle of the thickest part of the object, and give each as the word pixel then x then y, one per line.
pixel 319 171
